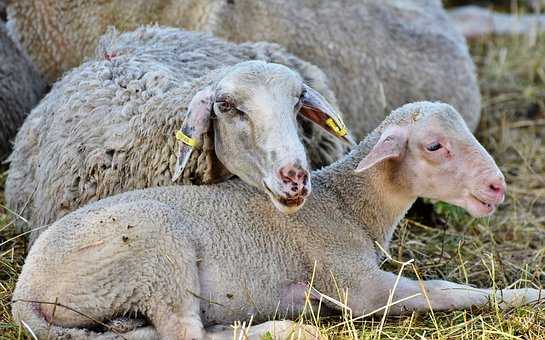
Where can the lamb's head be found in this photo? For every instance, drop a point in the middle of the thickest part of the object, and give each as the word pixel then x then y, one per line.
pixel 432 154
pixel 254 106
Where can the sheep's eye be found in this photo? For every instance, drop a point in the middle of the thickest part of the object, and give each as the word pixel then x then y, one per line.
pixel 224 105
pixel 434 146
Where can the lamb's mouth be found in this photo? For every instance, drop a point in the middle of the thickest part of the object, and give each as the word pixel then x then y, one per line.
pixel 484 204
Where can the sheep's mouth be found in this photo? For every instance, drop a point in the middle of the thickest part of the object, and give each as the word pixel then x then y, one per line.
pixel 291 202
pixel 287 205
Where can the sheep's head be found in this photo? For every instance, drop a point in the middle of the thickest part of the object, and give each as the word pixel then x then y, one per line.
pixel 254 107
pixel 433 154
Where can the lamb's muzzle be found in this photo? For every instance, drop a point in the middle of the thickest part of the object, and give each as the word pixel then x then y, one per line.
pixel 484 200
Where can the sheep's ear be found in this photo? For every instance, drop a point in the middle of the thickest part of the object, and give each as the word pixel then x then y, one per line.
pixel 315 108
pixel 392 144
pixel 196 123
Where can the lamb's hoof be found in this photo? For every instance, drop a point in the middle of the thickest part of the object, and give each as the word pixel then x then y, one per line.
pixel 519 297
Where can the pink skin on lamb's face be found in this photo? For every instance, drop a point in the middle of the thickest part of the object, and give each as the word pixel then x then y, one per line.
pixel 455 168
pixel 437 157
pixel 481 185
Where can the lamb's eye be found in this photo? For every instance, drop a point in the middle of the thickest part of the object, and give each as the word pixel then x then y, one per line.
pixel 434 146
pixel 224 105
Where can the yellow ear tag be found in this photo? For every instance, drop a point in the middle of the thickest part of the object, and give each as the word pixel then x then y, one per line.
pixel 337 127
pixel 182 137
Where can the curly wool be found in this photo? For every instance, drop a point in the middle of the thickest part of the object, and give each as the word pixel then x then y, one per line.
pixel 379 55
pixel 108 126
pixel 21 86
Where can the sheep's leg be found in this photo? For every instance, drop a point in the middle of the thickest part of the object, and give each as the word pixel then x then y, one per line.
pixel 183 325
pixel 143 262
pixel 281 330
pixel 188 326
pixel 411 295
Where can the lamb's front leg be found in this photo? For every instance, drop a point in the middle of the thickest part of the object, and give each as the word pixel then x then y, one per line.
pixel 277 330
pixel 381 288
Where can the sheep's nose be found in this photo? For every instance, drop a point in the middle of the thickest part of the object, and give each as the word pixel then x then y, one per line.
pixel 294 179
pixel 497 188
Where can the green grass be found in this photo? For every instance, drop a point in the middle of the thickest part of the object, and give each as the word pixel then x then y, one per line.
pixel 446 243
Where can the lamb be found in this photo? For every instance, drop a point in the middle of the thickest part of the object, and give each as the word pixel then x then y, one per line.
pixel 378 54
pixel 108 126
pixel 21 87
pixel 180 257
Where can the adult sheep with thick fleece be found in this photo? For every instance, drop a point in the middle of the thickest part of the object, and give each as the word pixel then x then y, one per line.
pixel 109 125
pixel 167 254
pixel 378 54
pixel 21 87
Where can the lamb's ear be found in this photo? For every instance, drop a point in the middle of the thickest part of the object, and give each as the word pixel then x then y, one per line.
pixel 196 123
pixel 392 144
pixel 315 108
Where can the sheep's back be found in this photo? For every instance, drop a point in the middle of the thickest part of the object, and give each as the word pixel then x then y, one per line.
pixel 378 54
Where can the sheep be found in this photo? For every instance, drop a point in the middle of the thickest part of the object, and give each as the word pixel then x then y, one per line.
pixel 21 87
pixel 378 54
pixel 474 22
pixel 151 252
pixel 108 126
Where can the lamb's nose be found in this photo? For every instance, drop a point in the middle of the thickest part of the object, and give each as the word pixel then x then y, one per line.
pixel 497 188
pixel 295 178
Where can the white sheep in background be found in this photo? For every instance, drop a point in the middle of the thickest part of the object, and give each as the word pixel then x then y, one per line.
pixel 109 125
pixel 21 87
pixel 475 21
pixel 190 257
pixel 378 54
